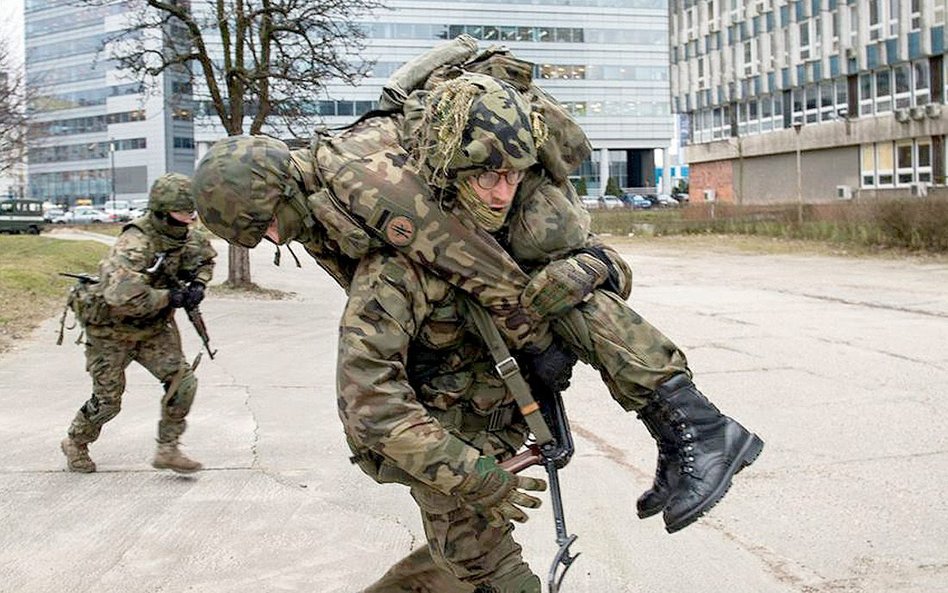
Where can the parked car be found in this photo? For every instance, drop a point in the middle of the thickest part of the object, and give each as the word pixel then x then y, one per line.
pixel 53 213
pixel 666 201
pixel 610 202
pixel 120 209
pixel 591 202
pixel 84 215
pixel 636 202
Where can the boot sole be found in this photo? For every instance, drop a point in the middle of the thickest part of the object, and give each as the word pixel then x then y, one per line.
pixel 748 454
pixel 178 470
pixel 71 467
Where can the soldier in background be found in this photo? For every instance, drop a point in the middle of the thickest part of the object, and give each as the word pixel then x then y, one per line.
pixel 158 264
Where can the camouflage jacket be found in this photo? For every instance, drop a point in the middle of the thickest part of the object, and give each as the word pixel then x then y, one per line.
pixel 138 297
pixel 362 178
pixel 417 391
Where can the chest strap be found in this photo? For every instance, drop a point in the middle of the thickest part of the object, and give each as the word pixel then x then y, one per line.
pixel 507 368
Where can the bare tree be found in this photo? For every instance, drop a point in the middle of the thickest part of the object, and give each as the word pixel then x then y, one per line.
pixel 14 119
pixel 259 60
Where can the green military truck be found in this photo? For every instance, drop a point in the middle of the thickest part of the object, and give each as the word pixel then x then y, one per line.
pixel 21 216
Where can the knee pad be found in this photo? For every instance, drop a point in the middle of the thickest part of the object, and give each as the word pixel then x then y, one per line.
pixel 178 406
pixel 100 412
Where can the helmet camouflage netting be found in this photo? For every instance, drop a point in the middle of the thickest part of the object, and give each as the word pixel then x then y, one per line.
pixel 476 122
pixel 171 193
pixel 239 184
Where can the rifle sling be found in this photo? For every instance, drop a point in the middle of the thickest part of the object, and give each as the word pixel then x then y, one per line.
pixel 508 369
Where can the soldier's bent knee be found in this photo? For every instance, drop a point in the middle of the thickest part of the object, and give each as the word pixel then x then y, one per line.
pixel 183 398
pixel 100 412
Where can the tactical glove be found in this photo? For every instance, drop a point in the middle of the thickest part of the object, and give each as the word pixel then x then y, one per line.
pixel 562 285
pixel 551 369
pixel 495 493
pixel 194 295
pixel 177 297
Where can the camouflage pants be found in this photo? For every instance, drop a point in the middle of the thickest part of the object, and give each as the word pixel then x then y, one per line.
pixel 463 551
pixel 632 356
pixel 108 354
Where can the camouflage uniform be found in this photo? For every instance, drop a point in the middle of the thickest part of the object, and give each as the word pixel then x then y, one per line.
pixel 366 186
pixel 128 316
pixel 420 404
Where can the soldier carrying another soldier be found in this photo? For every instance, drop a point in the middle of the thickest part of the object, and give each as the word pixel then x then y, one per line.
pixel 466 181
pixel 157 265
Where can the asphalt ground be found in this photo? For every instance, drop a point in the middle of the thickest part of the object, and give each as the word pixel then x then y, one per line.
pixel 840 365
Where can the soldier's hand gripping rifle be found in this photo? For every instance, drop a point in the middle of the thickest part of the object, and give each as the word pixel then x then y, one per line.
pixel 553 455
pixel 193 312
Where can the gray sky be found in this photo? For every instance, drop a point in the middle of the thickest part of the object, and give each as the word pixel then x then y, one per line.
pixel 11 29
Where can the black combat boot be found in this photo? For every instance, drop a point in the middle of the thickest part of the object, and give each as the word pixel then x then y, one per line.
pixel 654 499
pixel 711 448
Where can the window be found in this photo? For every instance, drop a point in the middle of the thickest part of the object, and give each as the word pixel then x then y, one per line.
pixel 827 101
pixel 875 20
pixel 804 32
pixel 797 105
pixel 924 161
pixel 921 82
pixel 915 15
pixel 884 163
pixel 753 117
pixel 842 97
pixel 868 166
pixel 903 86
pixel 904 163
pixel 893 28
pixel 834 43
pixel 766 114
pixel 883 97
pixel 750 58
pixel 812 102
pixel 865 94
pixel 853 25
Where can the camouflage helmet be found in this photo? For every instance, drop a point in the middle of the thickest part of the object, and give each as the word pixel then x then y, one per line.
pixel 475 122
pixel 171 193
pixel 239 184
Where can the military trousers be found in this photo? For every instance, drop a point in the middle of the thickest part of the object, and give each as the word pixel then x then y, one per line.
pixel 109 351
pixel 463 551
pixel 631 355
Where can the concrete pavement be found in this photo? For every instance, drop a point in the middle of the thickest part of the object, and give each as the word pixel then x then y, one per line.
pixel 841 365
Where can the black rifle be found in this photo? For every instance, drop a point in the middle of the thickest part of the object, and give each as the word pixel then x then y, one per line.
pixel 82 278
pixel 194 313
pixel 197 320
pixel 554 456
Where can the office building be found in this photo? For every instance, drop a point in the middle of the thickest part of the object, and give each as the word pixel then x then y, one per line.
pixel 96 133
pixel 606 61
pixel 811 100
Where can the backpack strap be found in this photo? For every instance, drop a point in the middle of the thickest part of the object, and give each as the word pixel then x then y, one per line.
pixel 507 368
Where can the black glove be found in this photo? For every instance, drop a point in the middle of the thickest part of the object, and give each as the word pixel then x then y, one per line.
pixel 194 294
pixel 551 369
pixel 612 280
pixel 177 297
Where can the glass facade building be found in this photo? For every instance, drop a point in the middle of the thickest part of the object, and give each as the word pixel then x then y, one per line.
pixel 811 100
pixel 606 61
pixel 94 132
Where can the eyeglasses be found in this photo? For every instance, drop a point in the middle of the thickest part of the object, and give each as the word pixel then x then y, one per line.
pixel 489 179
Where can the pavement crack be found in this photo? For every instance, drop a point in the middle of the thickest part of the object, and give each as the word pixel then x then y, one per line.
pixel 895 355
pixel 611 452
pixel 867 304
